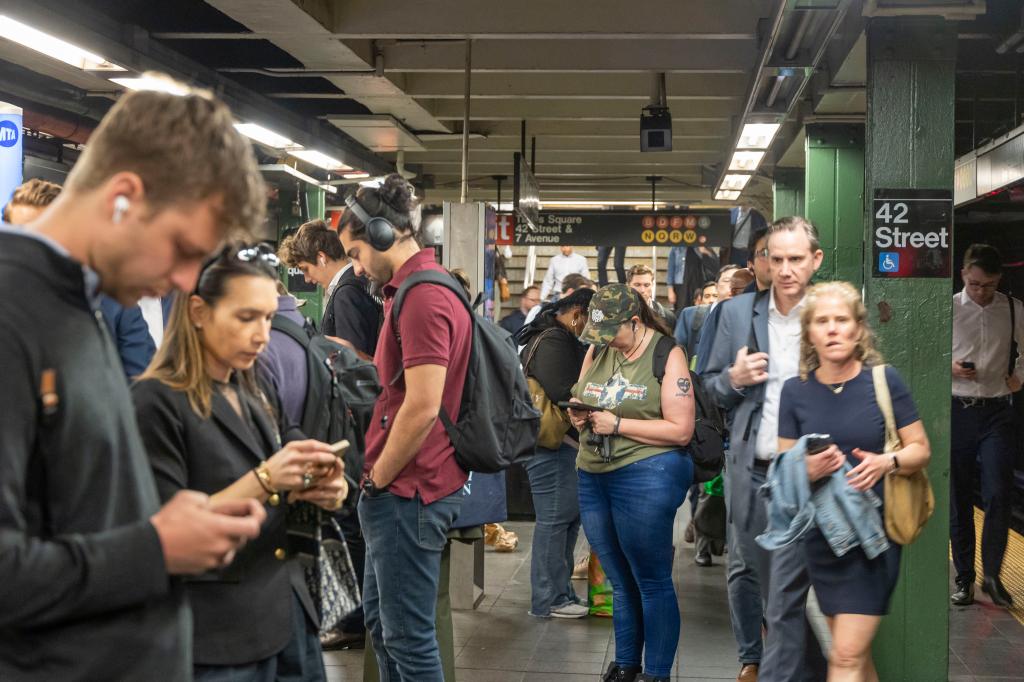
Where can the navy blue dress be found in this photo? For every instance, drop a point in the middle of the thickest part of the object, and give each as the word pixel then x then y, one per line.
pixel 851 583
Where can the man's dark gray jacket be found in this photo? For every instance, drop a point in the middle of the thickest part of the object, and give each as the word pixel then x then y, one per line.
pixel 84 592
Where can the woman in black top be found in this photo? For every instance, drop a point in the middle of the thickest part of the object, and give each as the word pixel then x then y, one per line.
pixel 207 426
pixel 553 355
pixel 835 395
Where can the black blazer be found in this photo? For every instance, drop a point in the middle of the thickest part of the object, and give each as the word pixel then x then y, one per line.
pixel 242 614
pixel 352 314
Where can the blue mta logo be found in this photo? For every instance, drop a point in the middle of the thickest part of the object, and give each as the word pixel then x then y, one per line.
pixel 8 134
pixel 888 261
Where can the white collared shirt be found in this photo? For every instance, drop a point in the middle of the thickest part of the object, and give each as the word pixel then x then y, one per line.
pixel 153 314
pixel 982 335
pixel 558 268
pixel 783 364
pixel 334 283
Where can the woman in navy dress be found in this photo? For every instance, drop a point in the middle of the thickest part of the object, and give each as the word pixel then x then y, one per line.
pixel 835 395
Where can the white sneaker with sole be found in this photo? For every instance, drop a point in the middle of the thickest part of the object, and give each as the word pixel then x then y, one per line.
pixel 570 610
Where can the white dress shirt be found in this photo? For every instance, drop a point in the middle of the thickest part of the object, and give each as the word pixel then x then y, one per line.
pixel 783 364
pixel 982 335
pixel 558 268
pixel 334 284
pixel 153 314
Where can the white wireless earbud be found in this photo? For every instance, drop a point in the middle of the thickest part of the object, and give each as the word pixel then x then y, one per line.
pixel 121 205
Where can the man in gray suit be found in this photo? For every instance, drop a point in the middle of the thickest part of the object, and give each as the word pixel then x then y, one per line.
pixel 756 349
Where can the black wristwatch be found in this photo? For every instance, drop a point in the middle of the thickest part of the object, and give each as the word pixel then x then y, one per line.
pixel 370 488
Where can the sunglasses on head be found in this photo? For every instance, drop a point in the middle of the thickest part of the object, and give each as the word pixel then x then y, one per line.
pixel 262 253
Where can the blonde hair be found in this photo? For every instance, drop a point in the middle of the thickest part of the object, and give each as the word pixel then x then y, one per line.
pixel 638 270
pixel 865 350
pixel 184 148
pixel 36 193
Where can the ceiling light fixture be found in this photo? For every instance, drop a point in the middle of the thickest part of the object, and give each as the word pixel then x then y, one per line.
pixel 154 83
pixel 757 135
pixel 727 195
pixel 52 46
pixel 355 175
pixel 268 137
pixel 745 161
pixel 735 181
pixel 320 160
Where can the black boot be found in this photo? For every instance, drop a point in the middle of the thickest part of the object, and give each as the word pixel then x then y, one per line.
pixel 617 673
pixel 993 587
pixel 651 678
pixel 964 595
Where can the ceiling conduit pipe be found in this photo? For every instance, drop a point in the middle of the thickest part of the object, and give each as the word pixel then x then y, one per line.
pixel 61 128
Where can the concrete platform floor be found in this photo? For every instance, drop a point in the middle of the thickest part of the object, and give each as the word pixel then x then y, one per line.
pixel 500 642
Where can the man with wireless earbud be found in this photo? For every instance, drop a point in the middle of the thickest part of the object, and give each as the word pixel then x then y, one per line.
pixel 412 484
pixel 89 560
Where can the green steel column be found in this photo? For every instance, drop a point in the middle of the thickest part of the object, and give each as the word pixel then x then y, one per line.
pixel 835 197
pixel 910 96
pixel 788 192
pixel 316 200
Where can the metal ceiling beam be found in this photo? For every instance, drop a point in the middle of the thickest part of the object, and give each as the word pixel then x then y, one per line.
pixel 587 128
pixel 131 47
pixel 533 110
pixel 525 19
pixel 576 55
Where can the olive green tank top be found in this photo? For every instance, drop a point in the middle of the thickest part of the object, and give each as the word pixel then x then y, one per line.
pixel 628 389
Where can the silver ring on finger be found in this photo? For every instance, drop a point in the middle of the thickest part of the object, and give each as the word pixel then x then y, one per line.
pixel 307 480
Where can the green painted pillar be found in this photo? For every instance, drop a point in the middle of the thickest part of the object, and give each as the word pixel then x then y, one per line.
pixel 287 213
pixel 834 196
pixel 910 95
pixel 787 192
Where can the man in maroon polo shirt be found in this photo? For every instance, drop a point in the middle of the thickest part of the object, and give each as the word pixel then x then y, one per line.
pixel 412 485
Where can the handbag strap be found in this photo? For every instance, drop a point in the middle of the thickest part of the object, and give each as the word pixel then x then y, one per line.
pixel 533 349
pixel 884 400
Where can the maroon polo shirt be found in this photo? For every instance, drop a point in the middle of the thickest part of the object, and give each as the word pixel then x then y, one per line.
pixel 435 329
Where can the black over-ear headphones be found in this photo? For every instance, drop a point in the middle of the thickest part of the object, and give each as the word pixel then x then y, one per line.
pixel 380 232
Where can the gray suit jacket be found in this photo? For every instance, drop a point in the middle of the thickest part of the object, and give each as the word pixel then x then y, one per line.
pixel 740 318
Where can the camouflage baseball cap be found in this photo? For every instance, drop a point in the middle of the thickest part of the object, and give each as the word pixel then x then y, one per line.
pixel 610 307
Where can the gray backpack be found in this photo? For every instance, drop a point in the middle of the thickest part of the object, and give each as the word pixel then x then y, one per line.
pixel 497 422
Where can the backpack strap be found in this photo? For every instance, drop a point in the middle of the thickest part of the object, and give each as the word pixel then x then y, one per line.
pixel 1013 333
pixel 660 358
pixel 293 330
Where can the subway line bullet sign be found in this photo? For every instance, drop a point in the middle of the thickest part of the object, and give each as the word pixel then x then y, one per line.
pixel 912 232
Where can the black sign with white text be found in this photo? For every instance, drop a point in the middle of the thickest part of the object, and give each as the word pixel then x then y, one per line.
pixel 629 228
pixel 911 233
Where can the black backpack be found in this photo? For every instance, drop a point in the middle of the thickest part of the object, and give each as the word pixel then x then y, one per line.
pixel 497 422
pixel 340 394
pixel 707 446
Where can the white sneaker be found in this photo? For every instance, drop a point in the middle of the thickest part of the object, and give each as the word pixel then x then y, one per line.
pixel 570 610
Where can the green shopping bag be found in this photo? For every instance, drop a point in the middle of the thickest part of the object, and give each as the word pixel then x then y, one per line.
pixel 599 589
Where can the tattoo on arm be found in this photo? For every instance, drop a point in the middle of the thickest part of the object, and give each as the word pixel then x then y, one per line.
pixel 684 386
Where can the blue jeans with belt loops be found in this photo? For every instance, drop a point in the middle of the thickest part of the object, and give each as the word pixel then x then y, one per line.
pixel 628 515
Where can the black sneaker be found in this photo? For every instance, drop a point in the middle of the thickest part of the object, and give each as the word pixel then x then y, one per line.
pixel 993 587
pixel 964 595
pixel 617 673
pixel 703 559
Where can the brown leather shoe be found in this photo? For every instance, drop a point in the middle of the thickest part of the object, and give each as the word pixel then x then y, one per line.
pixel 748 673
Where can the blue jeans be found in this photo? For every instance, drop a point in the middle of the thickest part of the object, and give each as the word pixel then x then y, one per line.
pixel 628 516
pixel 556 501
pixel 404 542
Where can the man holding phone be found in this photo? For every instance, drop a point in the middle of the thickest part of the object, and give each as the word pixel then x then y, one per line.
pixel 756 350
pixel 988 328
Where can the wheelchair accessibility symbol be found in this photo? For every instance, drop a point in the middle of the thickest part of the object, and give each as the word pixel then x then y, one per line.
pixel 888 261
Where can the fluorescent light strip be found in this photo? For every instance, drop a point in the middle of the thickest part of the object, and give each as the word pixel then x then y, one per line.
pixel 308 178
pixel 268 137
pixel 356 175
pixel 757 135
pixel 745 161
pixel 320 160
pixel 54 47
pixel 727 195
pixel 735 181
pixel 171 87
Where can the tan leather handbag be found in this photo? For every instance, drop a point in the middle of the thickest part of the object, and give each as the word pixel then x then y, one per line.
pixel 554 422
pixel 909 500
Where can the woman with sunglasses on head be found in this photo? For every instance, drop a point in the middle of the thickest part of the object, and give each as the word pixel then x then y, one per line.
pixel 208 426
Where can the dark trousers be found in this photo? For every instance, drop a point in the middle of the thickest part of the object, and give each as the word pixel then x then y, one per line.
pixel 602 264
pixel 353 622
pixel 682 297
pixel 983 447
pixel 735 256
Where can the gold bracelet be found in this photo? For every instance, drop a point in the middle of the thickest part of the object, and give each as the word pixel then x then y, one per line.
pixel 263 476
